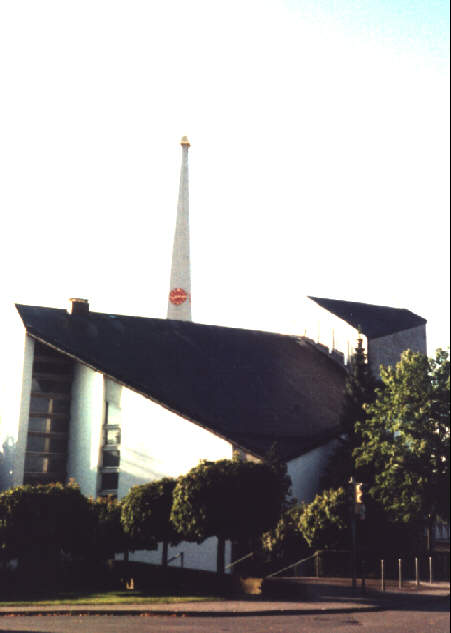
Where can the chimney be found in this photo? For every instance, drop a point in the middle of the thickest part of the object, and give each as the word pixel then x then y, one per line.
pixel 78 306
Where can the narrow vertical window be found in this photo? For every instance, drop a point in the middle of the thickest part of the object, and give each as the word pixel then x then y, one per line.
pixel 48 423
pixel 110 454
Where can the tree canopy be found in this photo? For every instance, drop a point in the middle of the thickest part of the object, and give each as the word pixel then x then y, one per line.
pixel 108 536
pixel 359 390
pixel 323 521
pixel 228 499
pixel 42 520
pixel 405 439
pixel 145 515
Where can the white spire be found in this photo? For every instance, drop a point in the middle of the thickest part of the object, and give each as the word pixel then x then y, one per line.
pixel 179 305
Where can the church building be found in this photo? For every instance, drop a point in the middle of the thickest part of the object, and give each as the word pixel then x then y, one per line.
pixel 113 401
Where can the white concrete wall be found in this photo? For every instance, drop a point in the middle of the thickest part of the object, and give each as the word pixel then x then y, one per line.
pixel 15 390
pixel 387 350
pixel 24 414
pixel 157 443
pixel 305 471
pixel 195 556
pixel 85 430
pixel 324 327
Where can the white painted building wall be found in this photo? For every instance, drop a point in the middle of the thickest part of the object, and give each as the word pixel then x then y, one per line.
pixel 327 329
pixel 85 431
pixel 158 443
pixel 15 392
pixel 155 443
pixel 305 471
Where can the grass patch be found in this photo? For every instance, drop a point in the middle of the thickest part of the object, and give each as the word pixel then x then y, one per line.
pixel 110 597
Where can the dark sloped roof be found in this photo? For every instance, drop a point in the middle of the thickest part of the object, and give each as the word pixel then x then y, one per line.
pixel 250 387
pixel 373 321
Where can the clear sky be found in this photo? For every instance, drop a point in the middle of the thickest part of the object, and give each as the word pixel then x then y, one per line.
pixel 319 162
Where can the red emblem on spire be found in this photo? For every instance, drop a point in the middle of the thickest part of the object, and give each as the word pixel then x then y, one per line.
pixel 178 296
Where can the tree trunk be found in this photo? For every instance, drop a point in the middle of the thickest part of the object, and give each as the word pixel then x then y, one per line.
pixel 164 555
pixel 221 556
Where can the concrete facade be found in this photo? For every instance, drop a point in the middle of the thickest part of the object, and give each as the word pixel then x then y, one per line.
pixel 15 392
pixel 86 419
pixel 305 471
pixel 154 443
pixel 387 350
pixel 328 330
pixel 338 338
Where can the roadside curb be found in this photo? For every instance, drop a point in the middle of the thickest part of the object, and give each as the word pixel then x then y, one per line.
pixel 190 613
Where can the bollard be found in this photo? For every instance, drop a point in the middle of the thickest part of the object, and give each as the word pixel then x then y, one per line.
pixel 430 570
pixel 382 576
pixel 400 572
pixel 417 575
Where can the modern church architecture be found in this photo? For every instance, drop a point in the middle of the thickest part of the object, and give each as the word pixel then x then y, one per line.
pixel 113 401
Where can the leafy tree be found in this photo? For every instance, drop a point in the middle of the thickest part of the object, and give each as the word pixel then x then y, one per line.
pixel 405 439
pixel 39 522
pixel 145 517
pixel 285 543
pixel 108 537
pixel 280 469
pixel 323 521
pixel 228 499
pixel 359 391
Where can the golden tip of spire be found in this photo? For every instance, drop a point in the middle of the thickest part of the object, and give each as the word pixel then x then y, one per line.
pixel 185 141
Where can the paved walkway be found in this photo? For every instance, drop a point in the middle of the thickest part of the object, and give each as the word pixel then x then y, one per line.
pixel 373 601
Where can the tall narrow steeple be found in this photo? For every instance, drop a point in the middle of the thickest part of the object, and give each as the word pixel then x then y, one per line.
pixel 179 305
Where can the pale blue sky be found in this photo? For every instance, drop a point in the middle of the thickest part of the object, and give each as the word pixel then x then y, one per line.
pixel 319 161
pixel 420 26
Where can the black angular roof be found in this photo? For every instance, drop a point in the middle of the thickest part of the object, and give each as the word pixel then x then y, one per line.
pixel 373 321
pixel 252 388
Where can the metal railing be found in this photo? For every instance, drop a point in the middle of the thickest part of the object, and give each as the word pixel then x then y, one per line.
pixel 180 555
pixel 239 560
pixel 298 562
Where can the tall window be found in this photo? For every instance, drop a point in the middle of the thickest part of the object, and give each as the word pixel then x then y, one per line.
pixel 111 446
pixel 48 423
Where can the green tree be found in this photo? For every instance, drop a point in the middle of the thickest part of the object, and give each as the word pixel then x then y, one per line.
pixel 280 469
pixel 285 543
pixel 323 522
pixel 359 390
pixel 405 440
pixel 39 522
pixel 108 536
pixel 145 516
pixel 228 499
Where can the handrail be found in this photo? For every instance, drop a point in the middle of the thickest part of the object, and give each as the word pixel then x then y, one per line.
pixel 235 562
pixel 292 565
pixel 179 555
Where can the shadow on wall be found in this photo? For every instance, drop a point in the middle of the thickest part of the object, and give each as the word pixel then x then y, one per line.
pixel 7 463
pixel 138 468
